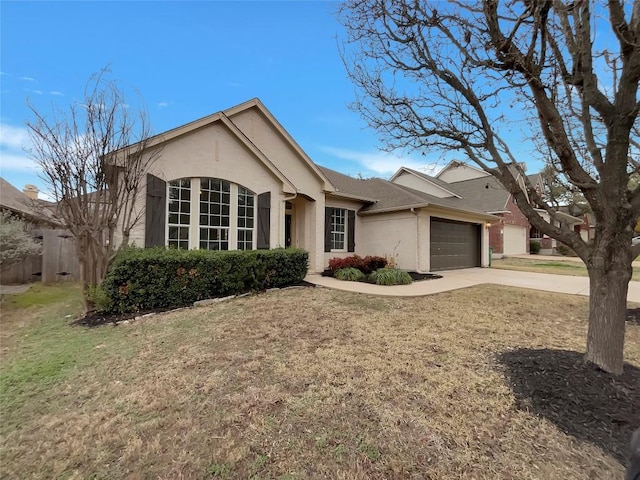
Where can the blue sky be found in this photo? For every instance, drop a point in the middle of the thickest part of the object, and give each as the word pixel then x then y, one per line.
pixel 188 60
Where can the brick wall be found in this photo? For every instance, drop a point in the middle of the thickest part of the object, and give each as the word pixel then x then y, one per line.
pixel 513 217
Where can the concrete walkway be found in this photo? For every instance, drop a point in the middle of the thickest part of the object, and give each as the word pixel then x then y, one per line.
pixel 455 279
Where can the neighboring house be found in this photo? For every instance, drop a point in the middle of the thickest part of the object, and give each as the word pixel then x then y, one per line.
pixel 58 260
pixel 237 180
pixel 511 232
pixel 25 204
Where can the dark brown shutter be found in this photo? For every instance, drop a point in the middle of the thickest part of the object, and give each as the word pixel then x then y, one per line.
pixel 155 215
pixel 328 213
pixel 264 220
pixel 351 230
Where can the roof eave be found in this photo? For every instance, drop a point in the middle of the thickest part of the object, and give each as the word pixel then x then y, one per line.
pixel 255 102
pixel 395 209
pixel 485 216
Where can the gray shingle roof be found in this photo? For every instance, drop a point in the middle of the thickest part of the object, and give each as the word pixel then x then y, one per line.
pixel 16 201
pixel 387 196
pixel 485 193
pixel 13 199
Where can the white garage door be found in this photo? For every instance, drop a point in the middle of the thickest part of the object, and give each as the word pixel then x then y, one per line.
pixel 515 240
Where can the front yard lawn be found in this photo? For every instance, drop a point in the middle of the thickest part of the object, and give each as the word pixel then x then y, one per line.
pixel 558 267
pixel 485 383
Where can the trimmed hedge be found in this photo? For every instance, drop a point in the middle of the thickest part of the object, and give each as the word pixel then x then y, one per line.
pixel 146 279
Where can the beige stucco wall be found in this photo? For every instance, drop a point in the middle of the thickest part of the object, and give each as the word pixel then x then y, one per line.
pixel 214 151
pixel 392 235
pixel 409 180
pixel 460 173
pixel 267 138
pixel 288 161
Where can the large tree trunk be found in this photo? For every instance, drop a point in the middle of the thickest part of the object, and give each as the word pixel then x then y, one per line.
pixel 609 274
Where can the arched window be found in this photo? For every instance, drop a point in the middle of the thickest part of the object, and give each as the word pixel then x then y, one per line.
pixel 210 213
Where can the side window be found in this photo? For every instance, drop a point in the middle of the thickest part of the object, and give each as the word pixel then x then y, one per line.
pixel 179 213
pixel 246 202
pixel 338 228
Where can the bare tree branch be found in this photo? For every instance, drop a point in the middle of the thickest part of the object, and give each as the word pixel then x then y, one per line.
pixel 451 75
pixel 92 158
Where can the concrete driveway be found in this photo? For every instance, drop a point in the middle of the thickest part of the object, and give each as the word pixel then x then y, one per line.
pixel 454 279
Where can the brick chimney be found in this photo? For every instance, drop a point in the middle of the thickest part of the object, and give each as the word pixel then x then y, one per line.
pixel 31 191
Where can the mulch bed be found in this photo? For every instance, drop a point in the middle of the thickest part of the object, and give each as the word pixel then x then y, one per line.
pixel 415 276
pixel 96 319
pixel 582 400
pixel 633 316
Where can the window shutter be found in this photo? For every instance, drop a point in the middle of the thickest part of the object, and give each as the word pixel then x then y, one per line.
pixel 328 213
pixel 351 230
pixel 264 220
pixel 155 214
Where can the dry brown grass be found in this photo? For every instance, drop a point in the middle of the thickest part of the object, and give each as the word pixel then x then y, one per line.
pixel 557 266
pixel 314 383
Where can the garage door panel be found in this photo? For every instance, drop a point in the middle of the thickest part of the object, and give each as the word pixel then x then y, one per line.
pixel 514 240
pixel 454 244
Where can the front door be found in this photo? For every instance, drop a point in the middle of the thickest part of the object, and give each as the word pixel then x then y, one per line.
pixel 287 230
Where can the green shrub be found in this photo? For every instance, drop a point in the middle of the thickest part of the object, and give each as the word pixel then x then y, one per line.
pixel 534 247
pixel 349 274
pixel 390 276
pixel 145 279
pixel 564 250
pixel 101 299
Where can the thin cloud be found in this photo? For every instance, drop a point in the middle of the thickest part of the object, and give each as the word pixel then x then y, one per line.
pixel 13 142
pixel 163 104
pixel 55 92
pixel 28 79
pixel 16 162
pixel 381 163
pixel 13 137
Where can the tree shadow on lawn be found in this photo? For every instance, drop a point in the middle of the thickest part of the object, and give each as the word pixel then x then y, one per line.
pixel 580 399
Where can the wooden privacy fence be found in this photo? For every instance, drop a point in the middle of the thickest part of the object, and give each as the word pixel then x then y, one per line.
pixel 57 262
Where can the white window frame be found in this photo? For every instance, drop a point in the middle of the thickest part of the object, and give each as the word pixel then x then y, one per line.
pixel 176 184
pixel 244 219
pixel 222 230
pixel 194 214
pixel 336 232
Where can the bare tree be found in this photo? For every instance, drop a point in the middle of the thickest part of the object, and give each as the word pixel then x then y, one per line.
pixel 92 157
pixel 462 76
